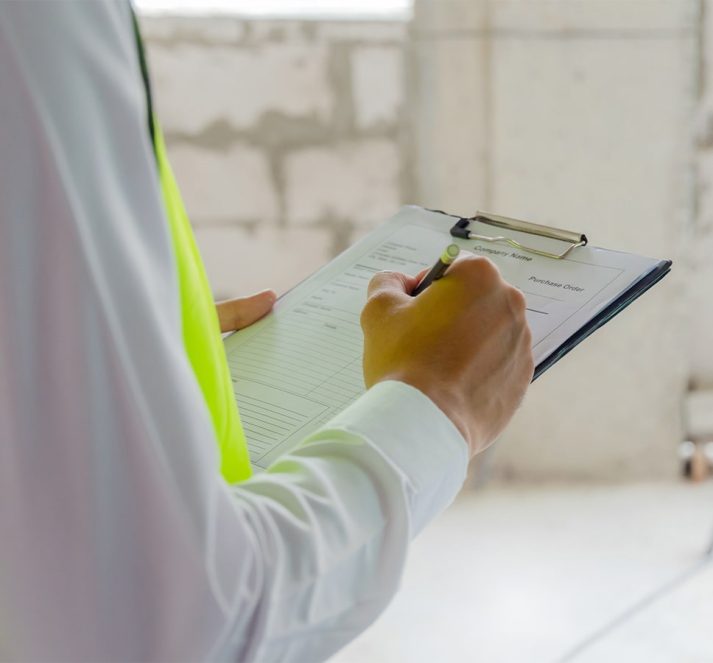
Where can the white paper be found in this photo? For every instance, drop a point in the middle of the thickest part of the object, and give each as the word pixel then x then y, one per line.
pixel 295 369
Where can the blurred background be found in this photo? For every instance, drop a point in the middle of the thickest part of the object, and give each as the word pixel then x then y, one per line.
pixel 296 126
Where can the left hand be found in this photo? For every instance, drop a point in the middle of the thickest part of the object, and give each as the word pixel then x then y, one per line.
pixel 241 312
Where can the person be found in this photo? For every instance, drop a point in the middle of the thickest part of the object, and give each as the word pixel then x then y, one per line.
pixel 122 536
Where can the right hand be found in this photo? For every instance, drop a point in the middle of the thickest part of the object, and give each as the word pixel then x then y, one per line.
pixel 464 342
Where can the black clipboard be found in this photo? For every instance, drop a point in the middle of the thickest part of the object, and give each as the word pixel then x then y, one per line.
pixel 572 240
pixel 617 306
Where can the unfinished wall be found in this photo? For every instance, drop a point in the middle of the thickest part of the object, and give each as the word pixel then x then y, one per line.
pixel 285 137
pixel 580 115
pixel 701 246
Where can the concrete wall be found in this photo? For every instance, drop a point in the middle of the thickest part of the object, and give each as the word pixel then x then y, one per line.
pixel 701 246
pixel 285 137
pixel 579 115
pixel 292 138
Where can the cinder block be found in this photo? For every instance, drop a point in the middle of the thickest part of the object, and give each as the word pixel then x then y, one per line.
pixel 197 86
pixel 356 181
pixel 378 85
pixel 438 17
pixel 264 31
pixel 240 262
pixel 588 17
pixel 365 32
pixel 225 186
pixel 200 29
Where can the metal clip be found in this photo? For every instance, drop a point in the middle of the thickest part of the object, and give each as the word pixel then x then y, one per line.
pixel 575 240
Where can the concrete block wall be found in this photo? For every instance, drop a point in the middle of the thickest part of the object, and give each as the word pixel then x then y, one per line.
pixel 580 116
pixel 596 133
pixel 285 137
pixel 701 233
pixel 291 138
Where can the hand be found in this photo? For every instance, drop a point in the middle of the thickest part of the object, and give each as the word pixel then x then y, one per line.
pixel 464 342
pixel 239 313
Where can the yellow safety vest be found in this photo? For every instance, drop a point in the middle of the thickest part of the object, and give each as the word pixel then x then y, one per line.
pixel 201 328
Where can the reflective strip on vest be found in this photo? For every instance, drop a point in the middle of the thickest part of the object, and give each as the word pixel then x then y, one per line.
pixel 201 328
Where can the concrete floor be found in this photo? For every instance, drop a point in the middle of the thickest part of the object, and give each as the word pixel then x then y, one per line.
pixel 516 574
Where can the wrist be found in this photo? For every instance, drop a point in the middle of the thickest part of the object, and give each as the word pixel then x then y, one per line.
pixel 446 399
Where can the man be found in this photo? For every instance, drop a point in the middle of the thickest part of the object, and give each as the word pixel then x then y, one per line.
pixel 119 538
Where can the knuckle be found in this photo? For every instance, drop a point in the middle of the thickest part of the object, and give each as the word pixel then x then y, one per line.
pixel 379 299
pixel 388 281
pixel 375 306
pixel 477 268
pixel 529 359
pixel 487 269
pixel 376 281
pixel 517 301
pixel 527 336
pixel 530 367
pixel 366 317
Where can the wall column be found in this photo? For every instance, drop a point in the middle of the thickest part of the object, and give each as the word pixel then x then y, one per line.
pixel 450 86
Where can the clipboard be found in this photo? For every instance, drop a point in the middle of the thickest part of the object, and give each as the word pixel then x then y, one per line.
pixel 317 369
pixel 571 240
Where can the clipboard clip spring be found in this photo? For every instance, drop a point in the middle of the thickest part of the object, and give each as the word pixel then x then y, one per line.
pixel 462 230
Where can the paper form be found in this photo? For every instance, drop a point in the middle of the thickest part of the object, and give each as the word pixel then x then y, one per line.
pixel 295 369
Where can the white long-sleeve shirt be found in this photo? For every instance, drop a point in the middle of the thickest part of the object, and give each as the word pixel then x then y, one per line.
pixel 119 540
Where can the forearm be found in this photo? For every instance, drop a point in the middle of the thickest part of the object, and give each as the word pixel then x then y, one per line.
pixel 332 521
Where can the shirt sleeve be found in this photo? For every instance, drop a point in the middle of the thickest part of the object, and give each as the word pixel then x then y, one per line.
pixel 118 538
pixel 348 501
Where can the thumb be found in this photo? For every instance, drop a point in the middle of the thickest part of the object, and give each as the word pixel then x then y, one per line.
pixel 241 312
pixel 392 283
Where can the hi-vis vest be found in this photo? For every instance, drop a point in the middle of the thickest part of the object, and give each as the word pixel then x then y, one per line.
pixel 201 329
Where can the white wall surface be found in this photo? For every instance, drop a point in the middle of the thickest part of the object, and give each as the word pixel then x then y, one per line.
pixel 700 254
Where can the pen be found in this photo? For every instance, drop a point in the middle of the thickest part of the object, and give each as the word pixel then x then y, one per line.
pixel 439 269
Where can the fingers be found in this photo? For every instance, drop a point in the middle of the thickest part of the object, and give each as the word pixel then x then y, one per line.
pixel 393 283
pixel 468 267
pixel 517 302
pixel 387 290
pixel 243 311
pixel 476 270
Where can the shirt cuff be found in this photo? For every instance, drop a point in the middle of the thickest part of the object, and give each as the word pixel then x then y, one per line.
pixel 417 439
